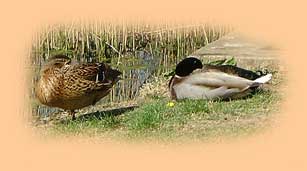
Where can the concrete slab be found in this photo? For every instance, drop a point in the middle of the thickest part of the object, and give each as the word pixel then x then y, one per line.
pixel 247 52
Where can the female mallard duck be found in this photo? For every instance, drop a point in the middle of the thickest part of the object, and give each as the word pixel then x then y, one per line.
pixel 193 80
pixel 71 85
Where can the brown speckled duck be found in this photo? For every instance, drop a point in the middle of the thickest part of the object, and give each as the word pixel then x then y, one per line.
pixel 71 85
pixel 193 80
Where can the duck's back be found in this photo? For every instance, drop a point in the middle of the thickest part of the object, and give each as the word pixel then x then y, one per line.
pixel 233 70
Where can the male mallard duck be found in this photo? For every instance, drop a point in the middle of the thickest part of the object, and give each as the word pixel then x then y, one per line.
pixel 193 80
pixel 71 85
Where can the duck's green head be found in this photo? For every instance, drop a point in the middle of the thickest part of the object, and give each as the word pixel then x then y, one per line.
pixel 187 66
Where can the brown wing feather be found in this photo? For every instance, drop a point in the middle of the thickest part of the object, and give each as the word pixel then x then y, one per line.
pixel 81 79
pixel 88 71
pixel 233 70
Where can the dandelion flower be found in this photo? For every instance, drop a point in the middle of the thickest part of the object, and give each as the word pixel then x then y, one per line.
pixel 170 104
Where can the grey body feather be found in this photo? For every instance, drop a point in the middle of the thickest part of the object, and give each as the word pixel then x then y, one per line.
pixel 211 85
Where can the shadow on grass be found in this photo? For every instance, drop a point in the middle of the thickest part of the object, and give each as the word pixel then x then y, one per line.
pixel 107 113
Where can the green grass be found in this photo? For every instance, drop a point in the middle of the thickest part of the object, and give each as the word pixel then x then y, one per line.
pixel 187 120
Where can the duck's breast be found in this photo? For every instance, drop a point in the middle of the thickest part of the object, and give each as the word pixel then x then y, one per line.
pixel 189 91
pixel 48 89
pixel 186 90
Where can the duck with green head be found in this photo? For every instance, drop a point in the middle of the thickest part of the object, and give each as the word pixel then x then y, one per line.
pixel 193 80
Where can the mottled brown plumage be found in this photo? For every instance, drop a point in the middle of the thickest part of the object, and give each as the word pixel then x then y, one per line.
pixel 71 85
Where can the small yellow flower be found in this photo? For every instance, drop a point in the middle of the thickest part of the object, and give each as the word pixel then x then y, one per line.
pixel 170 104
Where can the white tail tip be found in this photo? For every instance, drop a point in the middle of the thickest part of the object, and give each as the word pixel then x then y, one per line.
pixel 264 79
